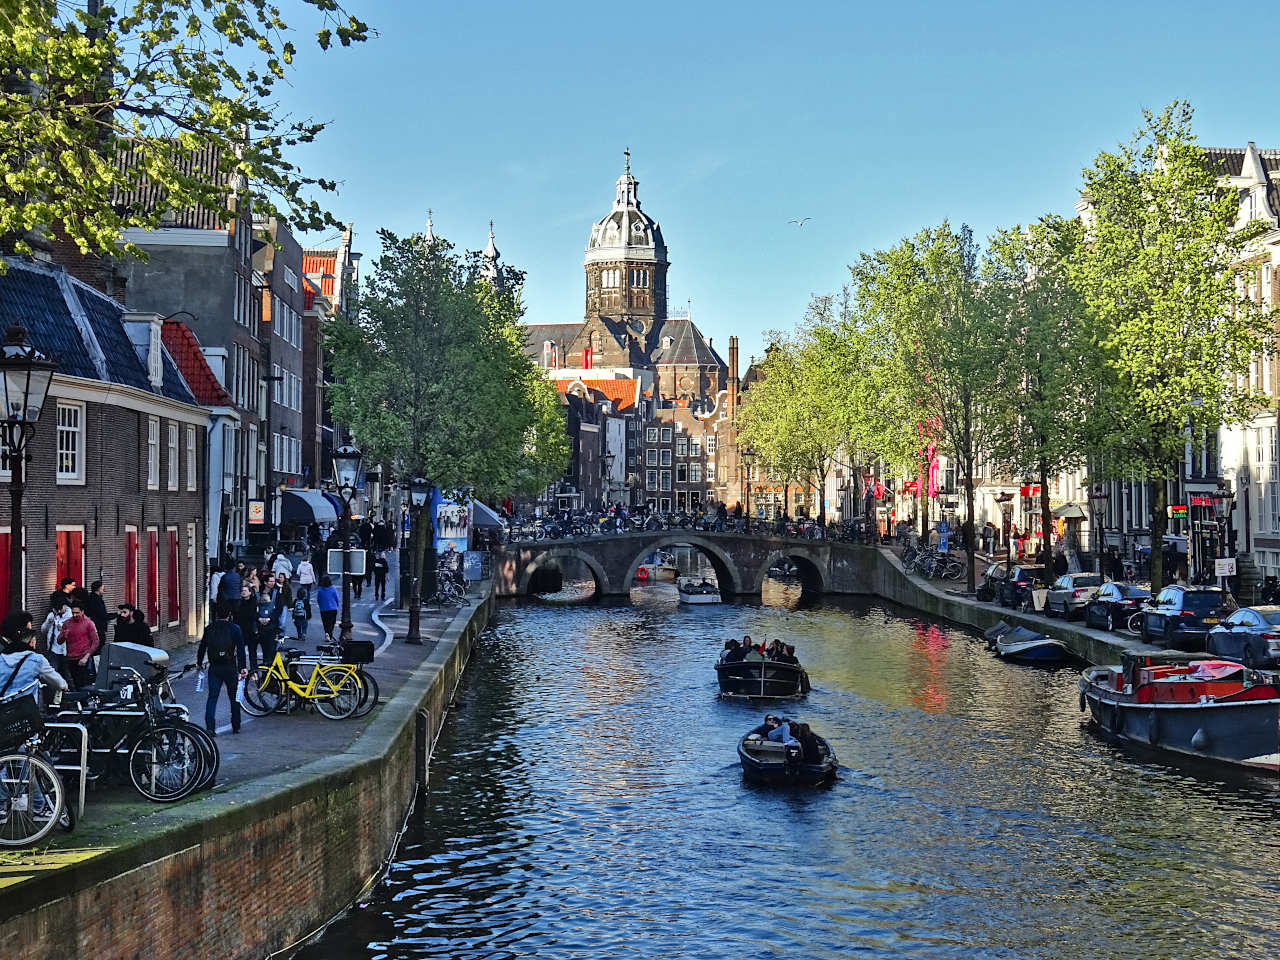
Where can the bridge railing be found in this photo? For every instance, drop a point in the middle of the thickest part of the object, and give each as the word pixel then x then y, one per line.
pixel 579 527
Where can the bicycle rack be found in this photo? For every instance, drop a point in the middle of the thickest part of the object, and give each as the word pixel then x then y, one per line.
pixel 83 768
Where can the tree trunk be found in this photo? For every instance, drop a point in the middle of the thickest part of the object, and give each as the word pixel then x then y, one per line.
pixel 1046 521
pixel 924 504
pixel 1159 522
pixel 414 634
pixel 969 532
pixel 822 496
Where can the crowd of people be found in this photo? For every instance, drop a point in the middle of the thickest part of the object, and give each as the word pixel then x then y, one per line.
pixel 791 733
pixel 748 650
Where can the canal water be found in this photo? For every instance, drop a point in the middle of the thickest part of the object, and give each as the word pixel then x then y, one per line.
pixel 586 802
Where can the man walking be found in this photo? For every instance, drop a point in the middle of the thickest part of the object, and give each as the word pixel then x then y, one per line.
pixel 380 568
pixel 81 639
pixel 223 642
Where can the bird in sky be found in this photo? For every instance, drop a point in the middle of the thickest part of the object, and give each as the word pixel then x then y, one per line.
pixel 801 222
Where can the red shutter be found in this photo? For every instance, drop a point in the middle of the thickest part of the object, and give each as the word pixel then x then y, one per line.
pixel 70 555
pixel 60 553
pixel 153 577
pixel 4 572
pixel 131 567
pixel 175 608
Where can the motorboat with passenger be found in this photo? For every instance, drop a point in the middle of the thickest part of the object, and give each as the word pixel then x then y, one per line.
pixel 697 590
pixel 761 679
pixel 767 761
pixel 1215 709
pixel 1025 646
pixel 658 567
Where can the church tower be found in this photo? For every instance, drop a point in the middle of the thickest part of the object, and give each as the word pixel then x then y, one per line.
pixel 626 267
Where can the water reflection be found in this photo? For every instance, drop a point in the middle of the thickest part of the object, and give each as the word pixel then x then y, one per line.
pixel 585 802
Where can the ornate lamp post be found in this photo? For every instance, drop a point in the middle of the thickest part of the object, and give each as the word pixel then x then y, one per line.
pixel 418 490
pixel 1095 495
pixel 25 376
pixel 748 457
pixel 346 474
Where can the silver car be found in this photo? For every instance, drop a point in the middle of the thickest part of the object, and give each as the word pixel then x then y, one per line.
pixel 1071 593
pixel 1250 635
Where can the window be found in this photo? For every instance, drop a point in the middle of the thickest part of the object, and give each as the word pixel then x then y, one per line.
pixel 173 598
pixel 682 473
pixel 664 505
pixel 275 451
pixel 651 479
pixel 275 382
pixel 153 575
pixel 69 553
pixel 651 457
pixel 153 453
pixel 682 446
pixel 695 446
pixel 711 445
pixel 70 442
pixel 290 279
pixel 651 435
pixel 666 434
pixel 666 479
pixel 253 461
pixel 639 278
pixel 695 473
pixel 173 455
pixel 191 458
pixel 631 443
pixel 131 565
pixel 666 458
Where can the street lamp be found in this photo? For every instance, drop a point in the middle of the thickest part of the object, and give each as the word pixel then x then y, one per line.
pixel 418 490
pixel 748 457
pixel 1095 529
pixel 25 376
pixel 346 472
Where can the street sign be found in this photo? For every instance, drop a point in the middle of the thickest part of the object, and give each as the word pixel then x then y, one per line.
pixel 355 562
pixel 257 511
pixel 1224 567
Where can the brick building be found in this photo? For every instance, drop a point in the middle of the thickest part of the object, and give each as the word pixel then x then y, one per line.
pixel 116 482
pixel 331 277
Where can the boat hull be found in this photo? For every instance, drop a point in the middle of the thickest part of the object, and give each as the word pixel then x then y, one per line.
pixel 774 767
pixel 762 679
pixel 698 598
pixel 1244 733
pixel 1034 651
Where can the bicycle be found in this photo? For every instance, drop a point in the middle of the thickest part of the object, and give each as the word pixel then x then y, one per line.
pixel 369 692
pixel 32 794
pixel 332 688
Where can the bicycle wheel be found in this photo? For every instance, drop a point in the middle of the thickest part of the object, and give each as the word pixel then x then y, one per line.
pixel 32 798
pixel 209 747
pixel 263 694
pixel 339 693
pixel 166 763
pixel 369 694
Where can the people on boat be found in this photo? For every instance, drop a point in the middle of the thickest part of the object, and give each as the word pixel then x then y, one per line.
pixel 810 746
pixel 770 724
pixel 786 654
pixel 753 655
pixel 782 733
pixel 775 648
pixel 730 646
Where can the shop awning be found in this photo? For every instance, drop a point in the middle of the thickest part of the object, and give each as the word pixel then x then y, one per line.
pixel 300 507
pixel 1069 511
pixel 482 516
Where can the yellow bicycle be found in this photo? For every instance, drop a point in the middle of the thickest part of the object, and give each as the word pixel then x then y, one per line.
pixel 332 688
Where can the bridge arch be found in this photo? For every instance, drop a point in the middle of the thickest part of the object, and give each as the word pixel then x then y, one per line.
pixel 812 568
pixel 726 569
pixel 603 585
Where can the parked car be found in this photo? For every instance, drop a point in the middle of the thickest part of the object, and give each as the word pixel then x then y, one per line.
pixel 1182 617
pixel 1114 604
pixel 989 586
pixel 1250 635
pixel 1071 593
pixel 1015 590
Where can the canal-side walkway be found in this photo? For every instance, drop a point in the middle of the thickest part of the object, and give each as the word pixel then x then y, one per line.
pixel 303 811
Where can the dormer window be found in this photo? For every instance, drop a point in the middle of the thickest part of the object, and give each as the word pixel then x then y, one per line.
pixel 666 343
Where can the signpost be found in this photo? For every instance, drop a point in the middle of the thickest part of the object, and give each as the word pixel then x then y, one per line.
pixel 1224 567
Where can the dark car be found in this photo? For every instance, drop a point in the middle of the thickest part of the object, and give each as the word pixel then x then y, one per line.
pixel 1016 589
pixel 1181 617
pixel 989 586
pixel 1250 635
pixel 1114 604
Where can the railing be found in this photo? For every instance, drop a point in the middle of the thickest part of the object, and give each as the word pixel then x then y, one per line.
pixel 582 526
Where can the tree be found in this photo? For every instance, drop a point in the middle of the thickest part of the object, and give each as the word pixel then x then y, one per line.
pixel 1171 326
pixel 431 376
pixel 98 102
pixel 923 292
pixel 1041 383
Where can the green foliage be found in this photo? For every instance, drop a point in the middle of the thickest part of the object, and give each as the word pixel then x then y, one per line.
pixel 97 101
pixel 432 376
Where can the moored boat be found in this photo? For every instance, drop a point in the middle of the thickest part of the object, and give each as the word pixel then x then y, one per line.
pixel 1025 646
pixel 761 679
pixel 693 590
pixel 1213 709
pixel 771 762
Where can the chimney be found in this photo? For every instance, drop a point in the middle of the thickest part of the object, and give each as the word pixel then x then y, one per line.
pixel 733 379
pixel 144 332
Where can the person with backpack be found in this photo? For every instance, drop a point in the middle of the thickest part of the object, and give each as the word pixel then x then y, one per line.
pixel 223 643
pixel 302 612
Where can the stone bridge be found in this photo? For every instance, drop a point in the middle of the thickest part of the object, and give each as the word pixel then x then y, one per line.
pixel 741 561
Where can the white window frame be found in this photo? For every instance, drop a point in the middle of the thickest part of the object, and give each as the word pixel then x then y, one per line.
pixel 695 473
pixel 664 478
pixel 75 477
pixel 666 434
pixel 711 445
pixel 171 447
pixel 192 459
pixel 153 453
pixel 291 279
pixel 651 457
pixel 651 479
pixel 651 435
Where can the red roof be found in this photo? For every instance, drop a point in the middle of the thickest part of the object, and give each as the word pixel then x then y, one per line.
pixel 622 393
pixel 321 263
pixel 185 350
pixel 309 291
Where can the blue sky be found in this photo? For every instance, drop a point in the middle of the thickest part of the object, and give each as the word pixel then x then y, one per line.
pixel 873 119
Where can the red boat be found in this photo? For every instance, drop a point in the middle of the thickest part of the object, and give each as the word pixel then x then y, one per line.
pixel 1205 708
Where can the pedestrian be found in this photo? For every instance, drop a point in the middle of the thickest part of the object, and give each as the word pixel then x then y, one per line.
pixel 306 574
pixel 245 613
pixel 266 632
pixel 21 664
pixel 302 612
pixel 15 626
pixel 380 569
pixel 215 578
pixel 1115 565
pixel 95 609
pixel 1059 563
pixel 357 585
pixel 281 564
pixel 369 557
pixel 51 630
pixel 282 597
pixel 328 601
pixel 80 642
pixel 223 643
pixel 65 588
pixel 229 584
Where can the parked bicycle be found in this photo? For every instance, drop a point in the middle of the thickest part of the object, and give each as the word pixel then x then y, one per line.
pixel 333 689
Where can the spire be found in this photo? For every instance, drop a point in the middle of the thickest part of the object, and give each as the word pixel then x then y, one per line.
pixel 626 152
pixel 627 195
pixel 431 234
pixel 489 269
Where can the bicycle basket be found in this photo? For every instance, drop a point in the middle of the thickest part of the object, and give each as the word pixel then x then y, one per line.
pixel 20 719
pixel 357 651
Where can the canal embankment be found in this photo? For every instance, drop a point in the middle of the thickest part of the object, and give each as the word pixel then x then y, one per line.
pixel 273 852
pixel 886 577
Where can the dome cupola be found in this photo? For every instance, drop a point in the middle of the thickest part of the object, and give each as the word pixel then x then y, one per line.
pixel 626 232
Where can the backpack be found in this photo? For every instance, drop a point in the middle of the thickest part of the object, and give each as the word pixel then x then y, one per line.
pixel 219 644
pixel 300 609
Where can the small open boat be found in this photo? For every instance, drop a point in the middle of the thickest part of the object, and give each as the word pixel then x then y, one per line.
pixel 1213 709
pixel 1027 646
pixel 771 762
pixel 695 590
pixel 765 679
pixel 659 566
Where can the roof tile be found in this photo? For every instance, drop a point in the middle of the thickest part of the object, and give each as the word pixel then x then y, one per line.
pixel 185 350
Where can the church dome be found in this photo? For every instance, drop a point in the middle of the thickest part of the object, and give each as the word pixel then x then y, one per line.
pixel 626 232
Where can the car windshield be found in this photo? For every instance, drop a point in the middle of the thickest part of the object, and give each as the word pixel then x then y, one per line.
pixel 1202 601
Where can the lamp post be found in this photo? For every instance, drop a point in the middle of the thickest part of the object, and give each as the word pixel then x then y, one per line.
pixel 1095 531
pixel 418 490
pixel 748 457
pixel 346 473
pixel 25 376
